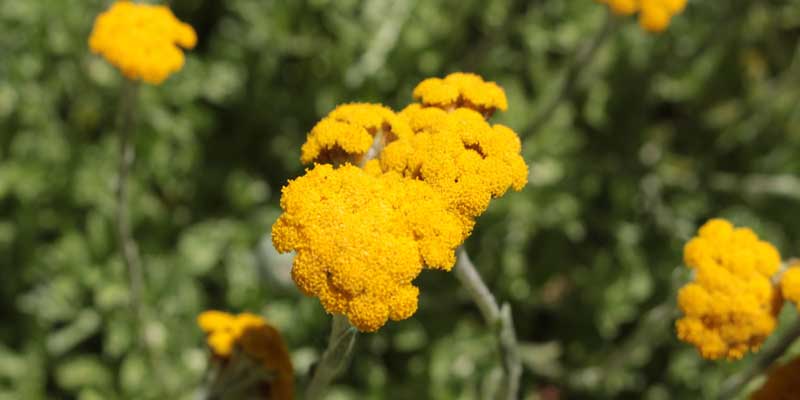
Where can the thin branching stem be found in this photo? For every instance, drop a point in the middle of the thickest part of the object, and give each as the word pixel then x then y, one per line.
pixel 582 58
pixel 498 318
pixel 734 385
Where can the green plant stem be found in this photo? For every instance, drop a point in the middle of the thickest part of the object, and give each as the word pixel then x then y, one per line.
pixel 335 357
pixel 127 245
pixel 498 318
pixel 582 58
pixel 734 385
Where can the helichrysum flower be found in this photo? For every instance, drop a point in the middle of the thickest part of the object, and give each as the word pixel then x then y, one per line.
pixel 348 132
pixel 654 15
pixel 362 238
pixel 363 234
pixel 250 335
pixel 730 307
pixel 144 41
pixel 783 383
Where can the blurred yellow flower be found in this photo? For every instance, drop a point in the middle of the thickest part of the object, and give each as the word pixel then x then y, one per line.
pixel 730 307
pixel 783 383
pixel 348 132
pixel 790 284
pixel 255 338
pixel 142 40
pixel 654 15
pixel 362 238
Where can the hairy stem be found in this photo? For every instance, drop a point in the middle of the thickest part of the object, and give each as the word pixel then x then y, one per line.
pixel 127 245
pixel 498 318
pixel 582 58
pixel 335 357
pixel 734 385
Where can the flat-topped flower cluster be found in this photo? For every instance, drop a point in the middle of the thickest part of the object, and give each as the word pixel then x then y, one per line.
pixel 390 194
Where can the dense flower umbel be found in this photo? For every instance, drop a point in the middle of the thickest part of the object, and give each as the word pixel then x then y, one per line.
pixel 362 238
pixel 654 15
pixel 142 40
pixel 348 132
pixel 255 338
pixel 783 383
pixel 730 307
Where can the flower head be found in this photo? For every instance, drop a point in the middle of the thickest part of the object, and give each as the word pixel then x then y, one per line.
pixel 361 235
pixel 654 15
pixel 730 307
pixel 256 339
pixel 348 132
pixel 461 89
pixel 782 383
pixel 362 238
pixel 144 41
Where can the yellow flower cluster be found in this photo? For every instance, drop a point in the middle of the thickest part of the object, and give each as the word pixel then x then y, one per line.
pixel 142 40
pixel 348 132
pixel 362 238
pixel 790 284
pixel 782 383
pixel 461 89
pixel 730 307
pixel 654 15
pixel 362 235
pixel 256 338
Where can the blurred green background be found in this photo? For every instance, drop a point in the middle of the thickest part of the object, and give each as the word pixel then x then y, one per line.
pixel 657 134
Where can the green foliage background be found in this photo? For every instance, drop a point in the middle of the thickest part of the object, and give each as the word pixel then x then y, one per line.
pixel 659 133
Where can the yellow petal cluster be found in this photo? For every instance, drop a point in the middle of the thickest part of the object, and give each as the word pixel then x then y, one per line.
pixel 464 158
pixel 654 15
pixel 730 307
pixel 461 89
pixel 783 383
pixel 256 338
pixel 361 238
pixel 142 40
pixel 348 132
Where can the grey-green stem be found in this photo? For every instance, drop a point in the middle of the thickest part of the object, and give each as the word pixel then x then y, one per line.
pixel 498 318
pixel 335 357
pixel 126 242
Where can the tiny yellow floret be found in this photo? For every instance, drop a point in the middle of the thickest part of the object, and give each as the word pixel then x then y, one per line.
pixel 256 338
pixel 730 307
pixel 144 41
